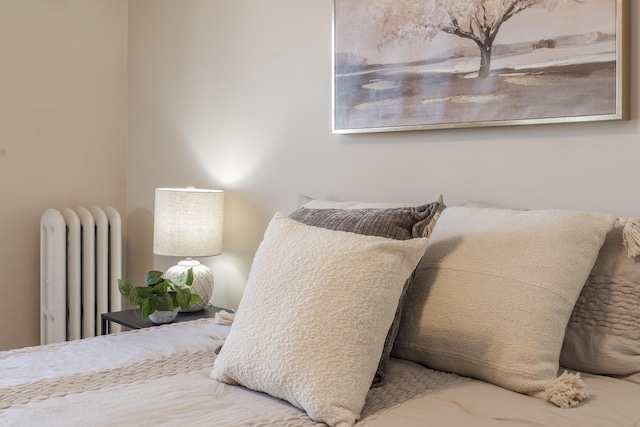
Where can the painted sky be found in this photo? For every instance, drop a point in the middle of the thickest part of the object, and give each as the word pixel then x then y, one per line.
pixel 356 31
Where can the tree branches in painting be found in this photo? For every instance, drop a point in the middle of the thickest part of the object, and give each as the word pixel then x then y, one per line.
pixel 476 20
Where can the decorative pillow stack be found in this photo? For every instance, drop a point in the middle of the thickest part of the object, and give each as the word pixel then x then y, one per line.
pixel 311 325
pixel 392 220
pixel 493 294
pixel 603 334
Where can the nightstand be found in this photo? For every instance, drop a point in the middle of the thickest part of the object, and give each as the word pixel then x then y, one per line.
pixel 133 318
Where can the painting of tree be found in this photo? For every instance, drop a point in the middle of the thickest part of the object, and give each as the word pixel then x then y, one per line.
pixel 476 20
pixel 421 64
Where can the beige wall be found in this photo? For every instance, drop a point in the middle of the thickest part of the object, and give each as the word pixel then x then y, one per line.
pixel 237 95
pixel 63 133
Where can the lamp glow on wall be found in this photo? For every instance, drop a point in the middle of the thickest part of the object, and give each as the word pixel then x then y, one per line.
pixel 188 223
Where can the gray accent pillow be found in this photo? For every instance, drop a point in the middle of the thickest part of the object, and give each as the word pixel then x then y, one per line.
pixel 401 222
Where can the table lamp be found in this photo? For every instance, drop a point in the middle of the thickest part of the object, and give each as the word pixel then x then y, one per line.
pixel 188 223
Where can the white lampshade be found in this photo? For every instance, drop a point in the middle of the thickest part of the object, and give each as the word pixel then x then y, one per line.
pixel 188 222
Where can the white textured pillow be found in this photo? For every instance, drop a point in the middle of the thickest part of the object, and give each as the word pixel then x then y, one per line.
pixel 314 316
pixel 493 294
pixel 395 221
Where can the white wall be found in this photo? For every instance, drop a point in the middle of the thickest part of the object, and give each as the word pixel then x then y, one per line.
pixel 237 95
pixel 63 133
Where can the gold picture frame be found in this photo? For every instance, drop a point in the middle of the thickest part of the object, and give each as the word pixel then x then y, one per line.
pixel 404 65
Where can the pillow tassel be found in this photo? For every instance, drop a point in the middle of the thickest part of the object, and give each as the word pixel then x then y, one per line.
pixel 224 318
pixel 631 237
pixel 566 391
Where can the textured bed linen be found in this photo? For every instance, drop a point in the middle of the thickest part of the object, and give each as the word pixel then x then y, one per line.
pixel 143 378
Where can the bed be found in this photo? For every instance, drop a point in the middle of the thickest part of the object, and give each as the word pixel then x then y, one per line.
pixel 377 315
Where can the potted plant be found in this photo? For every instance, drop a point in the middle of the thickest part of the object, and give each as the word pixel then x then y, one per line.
pixel 161 298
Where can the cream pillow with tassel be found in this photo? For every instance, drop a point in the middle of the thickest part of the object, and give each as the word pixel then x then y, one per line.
pixel 493 294
pixel 603 334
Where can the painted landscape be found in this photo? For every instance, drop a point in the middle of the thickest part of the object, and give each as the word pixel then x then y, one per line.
pixel 569 76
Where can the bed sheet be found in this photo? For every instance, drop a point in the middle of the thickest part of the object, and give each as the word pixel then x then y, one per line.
pixel 160 376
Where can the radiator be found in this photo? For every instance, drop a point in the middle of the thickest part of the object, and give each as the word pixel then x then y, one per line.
pixel 80 263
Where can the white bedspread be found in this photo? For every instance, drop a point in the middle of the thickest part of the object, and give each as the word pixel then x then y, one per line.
pixel 160 376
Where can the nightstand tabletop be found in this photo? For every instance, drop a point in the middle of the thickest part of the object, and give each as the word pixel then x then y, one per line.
pixel 133 318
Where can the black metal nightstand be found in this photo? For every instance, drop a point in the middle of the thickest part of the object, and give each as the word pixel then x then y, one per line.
pixel 133 318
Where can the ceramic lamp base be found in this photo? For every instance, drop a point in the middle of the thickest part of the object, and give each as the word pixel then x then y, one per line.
pixel 202 280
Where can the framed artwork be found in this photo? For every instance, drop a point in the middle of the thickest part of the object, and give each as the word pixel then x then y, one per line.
pixel 434 64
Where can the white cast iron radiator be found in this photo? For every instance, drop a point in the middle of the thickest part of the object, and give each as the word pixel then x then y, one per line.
pixel 80 263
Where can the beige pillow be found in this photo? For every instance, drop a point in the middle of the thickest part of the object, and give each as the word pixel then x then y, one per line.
pixel 603 334
pixel 311 325
pixel 493 294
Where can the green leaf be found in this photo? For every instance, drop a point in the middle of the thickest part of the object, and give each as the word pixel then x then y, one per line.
pixel 163 302
pixel 189 281
pixel 153 277
pixel 124 288
pixel 139 293
pixel 184 298
pixel 181 279
pixel 147 307
pixel 134 297
pixel 179 287
pixel 171 287
pixel 144 291
pixel 160 288
pixel 195 299
pixel 174 298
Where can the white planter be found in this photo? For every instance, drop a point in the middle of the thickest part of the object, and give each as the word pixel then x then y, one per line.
pixel 160 317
